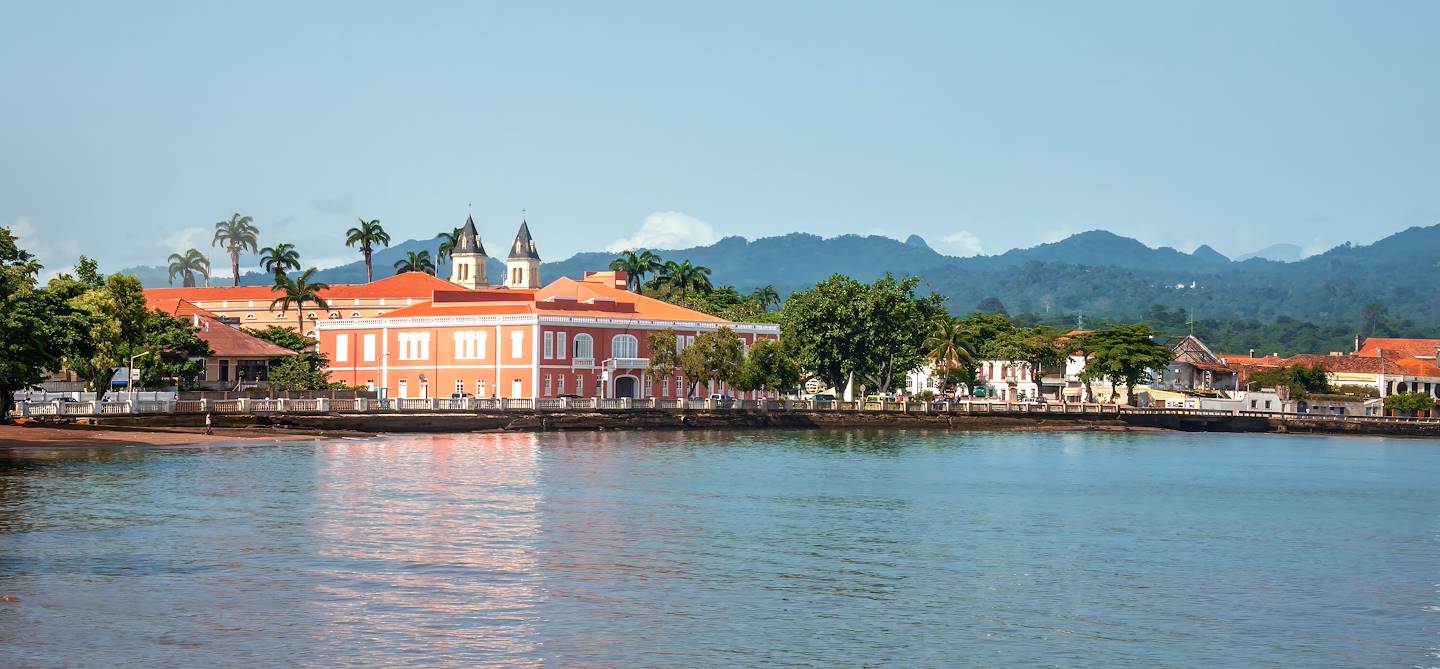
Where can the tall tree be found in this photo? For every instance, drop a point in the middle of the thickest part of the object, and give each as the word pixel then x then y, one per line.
pixel 842 327
pixel 279 259
pixel 1126 355
pixel 768 367
pixel 114 319
pixel 187 265
pixel 713 356
pixel 175 351
pixel 945 347
pixel 636 266
pixel 685 277
pixel 368 235
pixel 1037 348
pixel 37 325
pixel 299 292
pixel 664 358
pixel 448 240
pixel 415 261
pixel 236 235
pixel 766 296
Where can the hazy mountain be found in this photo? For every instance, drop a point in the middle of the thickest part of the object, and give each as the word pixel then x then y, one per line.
pixel 1276 252
pixel 1096 273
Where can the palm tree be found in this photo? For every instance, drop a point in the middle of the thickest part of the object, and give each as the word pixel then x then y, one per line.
pixel 236 235
pixel 945 347
pixel 766 297
pixel 367 235
pixel 297 293
pixel 448 240
pixel 415 261
pixel 187 265
pixel 636 265
pixel 686 277
pixel 279 258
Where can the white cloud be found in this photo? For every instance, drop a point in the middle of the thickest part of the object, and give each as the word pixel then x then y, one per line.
pixel 667 230
pixel 55 255
pixel 187 238
pixel 964 242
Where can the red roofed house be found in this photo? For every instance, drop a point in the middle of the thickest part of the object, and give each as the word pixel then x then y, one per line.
pixel 587 338
pixel 238 359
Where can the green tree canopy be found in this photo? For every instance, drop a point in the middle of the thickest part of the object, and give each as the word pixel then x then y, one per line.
pixel 768 367
pixel 279 259
pixel 664 359
pixel 713 356
pixel 877 330
pixel 1126 355
pixel 1408 404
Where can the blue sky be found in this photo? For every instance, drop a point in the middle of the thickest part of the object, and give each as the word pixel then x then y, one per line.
pixel 127 129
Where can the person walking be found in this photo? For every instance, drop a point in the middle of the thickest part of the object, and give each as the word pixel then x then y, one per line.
pixel 208 425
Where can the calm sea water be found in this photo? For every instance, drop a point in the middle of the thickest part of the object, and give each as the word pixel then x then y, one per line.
pixel 766 549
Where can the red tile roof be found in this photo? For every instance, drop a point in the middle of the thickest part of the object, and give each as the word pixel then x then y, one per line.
pixel 1407 348
pixel 562 297
pixel 410 284
pixel 225 340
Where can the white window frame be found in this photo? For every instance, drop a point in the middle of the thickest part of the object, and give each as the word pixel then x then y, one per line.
pixel 560 345
pixel 549 345
pixel 367 348
pixel 517 344
pixel 624 346
pixel 584 346
pixel 342 347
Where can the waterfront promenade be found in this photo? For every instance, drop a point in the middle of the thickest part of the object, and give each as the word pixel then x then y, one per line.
pixel 548 414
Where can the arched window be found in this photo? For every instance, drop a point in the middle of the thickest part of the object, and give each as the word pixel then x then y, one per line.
pixel 584 346
pixel 624 346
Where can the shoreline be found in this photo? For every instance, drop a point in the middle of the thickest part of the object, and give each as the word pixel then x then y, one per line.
pixel 91 436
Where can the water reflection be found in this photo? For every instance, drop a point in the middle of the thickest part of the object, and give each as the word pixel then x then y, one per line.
pixel 898 548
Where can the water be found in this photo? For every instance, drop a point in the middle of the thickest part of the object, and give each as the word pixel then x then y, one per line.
pixel 766 549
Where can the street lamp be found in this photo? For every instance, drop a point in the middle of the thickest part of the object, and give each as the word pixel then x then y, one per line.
pixel 130 374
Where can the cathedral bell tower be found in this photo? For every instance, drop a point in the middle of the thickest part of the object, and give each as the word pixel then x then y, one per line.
pixel 467 260
pixel 522 268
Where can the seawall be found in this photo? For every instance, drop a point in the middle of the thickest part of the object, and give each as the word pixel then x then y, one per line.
pixel 652 419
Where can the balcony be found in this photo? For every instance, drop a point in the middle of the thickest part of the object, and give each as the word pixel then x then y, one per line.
pixel 627 363
pixel 582 363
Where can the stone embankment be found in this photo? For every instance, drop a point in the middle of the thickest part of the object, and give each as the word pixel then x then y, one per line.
pixel 655 419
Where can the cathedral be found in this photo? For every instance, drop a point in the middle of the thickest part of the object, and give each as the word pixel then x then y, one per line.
pixel 468 260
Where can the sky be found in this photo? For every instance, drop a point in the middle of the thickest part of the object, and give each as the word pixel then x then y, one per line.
pixel 128 129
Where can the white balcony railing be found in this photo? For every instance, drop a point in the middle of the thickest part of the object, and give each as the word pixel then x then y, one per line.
pixel 582 363
pixel 627 363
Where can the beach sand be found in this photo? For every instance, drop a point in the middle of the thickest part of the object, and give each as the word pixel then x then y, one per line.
pixel 87 435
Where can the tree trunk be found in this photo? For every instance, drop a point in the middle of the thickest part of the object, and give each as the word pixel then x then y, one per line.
pixel 235 265
pixel 1130 394
pixel 369 275
pixel 7 400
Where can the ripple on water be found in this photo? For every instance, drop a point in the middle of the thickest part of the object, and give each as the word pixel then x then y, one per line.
pixel 902 548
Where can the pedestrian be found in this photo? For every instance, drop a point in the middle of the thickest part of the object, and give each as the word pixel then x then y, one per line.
pixel 208 427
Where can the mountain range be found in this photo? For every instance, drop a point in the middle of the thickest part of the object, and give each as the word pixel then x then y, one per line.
pixel 1095 273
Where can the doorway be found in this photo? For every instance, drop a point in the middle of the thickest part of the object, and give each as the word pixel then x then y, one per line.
pixel 625 387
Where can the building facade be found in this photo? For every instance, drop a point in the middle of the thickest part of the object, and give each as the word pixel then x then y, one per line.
pixel 587 338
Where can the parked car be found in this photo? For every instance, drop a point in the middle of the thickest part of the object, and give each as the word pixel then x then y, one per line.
pixel 721 397
pixel 569 397
pixel 461 396
pixel 823 398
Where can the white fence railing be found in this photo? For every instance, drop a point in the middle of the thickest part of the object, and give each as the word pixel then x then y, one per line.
pixel 70 409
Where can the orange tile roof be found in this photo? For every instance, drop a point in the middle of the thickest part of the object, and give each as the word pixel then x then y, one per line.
pixel 1408 348
pixel 176 307
pixel 562 297
pixel 226 341
pixel 410 284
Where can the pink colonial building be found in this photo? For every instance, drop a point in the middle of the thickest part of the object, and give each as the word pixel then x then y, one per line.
pixel 587 338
